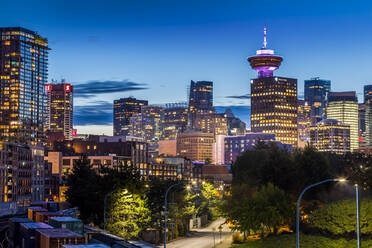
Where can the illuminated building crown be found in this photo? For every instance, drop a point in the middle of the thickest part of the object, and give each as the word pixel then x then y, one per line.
pixel 265 62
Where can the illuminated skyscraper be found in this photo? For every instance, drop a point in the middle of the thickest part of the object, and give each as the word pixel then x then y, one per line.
pixel 147 124
pixel 175 120
pixel 304 122
pixel 23 76
pixel 124 108
pixel 200 99
pixel 214 123
pixel 330 135
pixel 316 91
pixel 60 109
pixel 368 114
pixel 343 106
pixel 273 99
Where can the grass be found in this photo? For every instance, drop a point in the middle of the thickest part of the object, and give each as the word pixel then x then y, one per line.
pixel 307 241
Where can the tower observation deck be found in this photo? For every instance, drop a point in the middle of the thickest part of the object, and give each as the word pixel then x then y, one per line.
pixel 265 62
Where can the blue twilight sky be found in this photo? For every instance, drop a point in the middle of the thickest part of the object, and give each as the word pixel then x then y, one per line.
pixel 152 49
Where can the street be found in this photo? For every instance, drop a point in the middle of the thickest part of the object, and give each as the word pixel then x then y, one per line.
pixel 203 238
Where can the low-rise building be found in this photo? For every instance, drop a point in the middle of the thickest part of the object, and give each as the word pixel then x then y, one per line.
pixel 235 145
pixel 195 145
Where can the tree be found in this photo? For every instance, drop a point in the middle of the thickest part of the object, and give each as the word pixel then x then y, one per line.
pixel 265 163
pixel 128 214
pixel 273 208
pixel 208 200
pixel 81 192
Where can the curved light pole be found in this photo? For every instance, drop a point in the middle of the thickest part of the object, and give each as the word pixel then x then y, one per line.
pixel 357 209
pixel 165 211
pixel 298 205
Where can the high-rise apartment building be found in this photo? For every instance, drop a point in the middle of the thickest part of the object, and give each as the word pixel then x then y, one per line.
pixel 60 109
pixel 304 123
pixel 235 125
pixel 16 173
pixel 316 91
pixel 343 106
pixel 124 108
pixel 362 125
pixel 368 114
pixel 147 124
pixel 214 123
pixel 174 120
pixel 200 99
pixel 330 135
pixel 273 99
pixel 194 145
pixel 23 76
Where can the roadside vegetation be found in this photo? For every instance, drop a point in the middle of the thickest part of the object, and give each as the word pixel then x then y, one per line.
pixel 133 204
pixel 267 181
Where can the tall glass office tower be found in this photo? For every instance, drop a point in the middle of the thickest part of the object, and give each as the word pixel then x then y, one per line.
pixel 316 91
pixel 343 106
pixel 368 113
pixel 273 99
pixel 23 76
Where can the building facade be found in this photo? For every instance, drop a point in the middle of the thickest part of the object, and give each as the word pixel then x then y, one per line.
pixel 343 106
pixel 124 108
pixel 200 99
pixel 234 124
pixel 273 99
pixel 195 145
pixel 316 91
pixel 304 123
pixel 368 114
pixel 235 145
pixel 23 76
pixel 16 173
pixel 330 135
pixel 213 123
pixel 60 109
pixel 148 124
pixel 174 120
pixel 274 108
pixel 134 151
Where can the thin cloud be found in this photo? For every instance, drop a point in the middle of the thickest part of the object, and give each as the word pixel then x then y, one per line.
pixel 93 88
pixel 246 96
pixel 100 113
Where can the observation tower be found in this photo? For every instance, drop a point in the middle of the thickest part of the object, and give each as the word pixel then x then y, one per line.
pixel 265 62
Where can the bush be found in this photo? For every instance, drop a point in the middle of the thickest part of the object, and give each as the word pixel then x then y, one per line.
pixel 306 241
pixel 339 218
pixel 237 238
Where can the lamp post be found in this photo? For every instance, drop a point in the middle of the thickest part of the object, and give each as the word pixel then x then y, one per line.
pixel 298 205
pixel 165 211
pixel 357 209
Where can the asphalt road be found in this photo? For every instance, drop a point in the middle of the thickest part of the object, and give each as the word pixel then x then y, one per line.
pixel 203 238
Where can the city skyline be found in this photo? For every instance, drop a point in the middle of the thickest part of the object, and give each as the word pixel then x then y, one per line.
pixel 152 53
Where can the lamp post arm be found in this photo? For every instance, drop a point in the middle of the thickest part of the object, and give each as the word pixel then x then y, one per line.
pixel 298 208
pixel 165 211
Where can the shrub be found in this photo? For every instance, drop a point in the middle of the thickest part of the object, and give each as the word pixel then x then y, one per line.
pixel 237 238
pixel 339 218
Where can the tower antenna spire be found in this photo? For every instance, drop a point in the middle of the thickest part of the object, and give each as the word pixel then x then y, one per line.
pixel 265 40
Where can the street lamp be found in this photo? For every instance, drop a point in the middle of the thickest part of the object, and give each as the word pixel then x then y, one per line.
pixel 357 209
pixel 165 210
pixel 298 205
